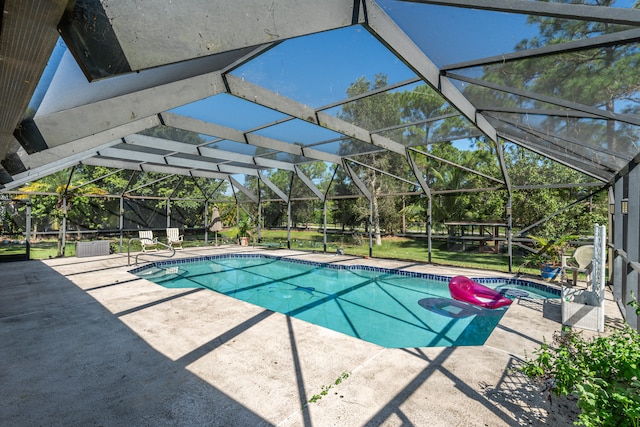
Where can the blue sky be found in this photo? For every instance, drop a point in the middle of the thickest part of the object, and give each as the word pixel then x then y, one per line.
pixel 316 70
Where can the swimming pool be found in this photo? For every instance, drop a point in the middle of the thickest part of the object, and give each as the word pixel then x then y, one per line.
pixel 391 308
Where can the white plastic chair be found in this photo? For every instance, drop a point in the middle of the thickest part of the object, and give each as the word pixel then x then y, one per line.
pixel 147 240
pixel 579 262
pixel 174 238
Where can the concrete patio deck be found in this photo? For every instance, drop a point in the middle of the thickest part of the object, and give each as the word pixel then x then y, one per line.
pixel 84 342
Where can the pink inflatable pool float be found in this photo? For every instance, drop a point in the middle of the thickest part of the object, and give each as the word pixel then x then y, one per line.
pixel 464 289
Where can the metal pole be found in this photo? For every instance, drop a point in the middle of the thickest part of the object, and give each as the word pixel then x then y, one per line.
pixel 168 213
pixel 206 222
pixel 28 230
pixel 121 221
pixel 371 227
pixel 259 225
pixel 289 224
pixel 64 224
pixel 509 236
pixel 429 226
pixel 324 232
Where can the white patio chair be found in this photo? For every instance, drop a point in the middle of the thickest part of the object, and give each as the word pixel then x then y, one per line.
pixel 579 262
pixel 147 240
pixel 174 238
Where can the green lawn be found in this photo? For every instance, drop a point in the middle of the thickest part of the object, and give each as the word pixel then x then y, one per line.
pixel 393 247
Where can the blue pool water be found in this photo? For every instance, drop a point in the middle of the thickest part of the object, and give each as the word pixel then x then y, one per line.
pixel 391 308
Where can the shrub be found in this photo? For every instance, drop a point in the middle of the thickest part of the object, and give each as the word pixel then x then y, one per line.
pixel 602 372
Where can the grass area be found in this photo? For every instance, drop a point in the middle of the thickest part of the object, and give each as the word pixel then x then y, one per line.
pixel 410 249
pixel 404 248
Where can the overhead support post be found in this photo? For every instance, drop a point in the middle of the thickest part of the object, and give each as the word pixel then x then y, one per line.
pixel 28 229
pixel 429 227
pixel 427 191
pixel 206 220
pixel 507 181
pixel 63 229
pixel 121 221
pixel 259 222
pixel 366 193
pixel 503 167
pixel 324 225
pixel 289 224
pixel 289 212
pixel 509 232
pixel 264 179
pixel 611 231
pixel 319 194
pixel 371 227
pixel 631 219
pixel 620 268
pixel 168 211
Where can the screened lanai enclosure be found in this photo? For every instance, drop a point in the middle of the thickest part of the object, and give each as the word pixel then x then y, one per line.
pixel 362 118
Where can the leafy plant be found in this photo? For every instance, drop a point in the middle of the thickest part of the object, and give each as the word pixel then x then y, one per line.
pixel 603 374
pixel 325 388
pixel 245 228
pixel 549 251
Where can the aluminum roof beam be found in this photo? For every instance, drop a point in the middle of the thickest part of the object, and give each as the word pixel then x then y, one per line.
pixel 380 171
pixel 544 141
pixel 42 171
pixel 266 98
pixel 175 147
pixel 78 119
pixel 604 114
pixel 556 10
pixel 613 39
pixel 284 197
pixel 384 28
pixel 570 162
pixel 110 113
pixel 417 172
pixel 161 160
pixel 305 179
pixel 572 141
pixel 450 163
pixel 244 190
pixel 46 162
pixel 357 181
pixel 207 128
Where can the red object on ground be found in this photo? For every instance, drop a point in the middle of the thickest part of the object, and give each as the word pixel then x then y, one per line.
pixel 464 289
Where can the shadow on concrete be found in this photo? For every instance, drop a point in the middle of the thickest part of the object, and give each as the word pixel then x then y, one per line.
pixel 66 360
pixel 435 365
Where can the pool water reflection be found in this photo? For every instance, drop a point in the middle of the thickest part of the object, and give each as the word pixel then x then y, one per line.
pixel 390 308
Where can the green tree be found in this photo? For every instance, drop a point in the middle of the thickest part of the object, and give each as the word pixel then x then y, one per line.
pixel 372 113
pixel 64 198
